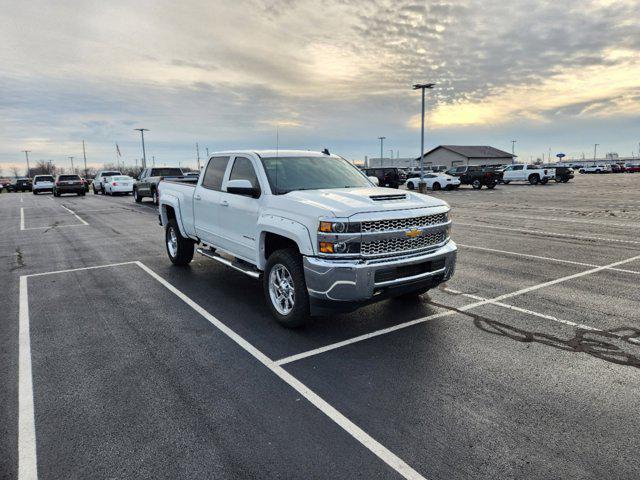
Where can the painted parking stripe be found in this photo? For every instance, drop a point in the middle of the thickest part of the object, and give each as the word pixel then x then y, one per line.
pixel 552 234
pixel 27 461
pixel 74 214
pixel 538 257
pixel 464 308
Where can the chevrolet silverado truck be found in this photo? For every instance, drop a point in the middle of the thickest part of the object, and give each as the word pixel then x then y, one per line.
pixel 317 232
pixel 527 172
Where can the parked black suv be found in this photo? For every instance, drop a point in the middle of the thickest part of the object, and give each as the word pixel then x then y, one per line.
pixel 68 184
pixel 387 176
pixel 475 176
pixel 21 184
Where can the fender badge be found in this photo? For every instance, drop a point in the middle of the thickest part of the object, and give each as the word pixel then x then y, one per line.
pixel 413 233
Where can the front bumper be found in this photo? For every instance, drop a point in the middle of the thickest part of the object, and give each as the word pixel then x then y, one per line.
pixel 347 284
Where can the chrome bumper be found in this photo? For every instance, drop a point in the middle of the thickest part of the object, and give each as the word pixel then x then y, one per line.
pixel 355 280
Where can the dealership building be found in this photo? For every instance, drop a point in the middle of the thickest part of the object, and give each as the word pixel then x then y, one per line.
pixel 456 155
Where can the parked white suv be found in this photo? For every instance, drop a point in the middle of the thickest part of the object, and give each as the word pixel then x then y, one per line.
pixel 525 172
pixel 42 183
pixel 317 231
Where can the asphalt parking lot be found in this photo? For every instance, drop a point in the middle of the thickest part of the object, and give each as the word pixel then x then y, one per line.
pixel 116 364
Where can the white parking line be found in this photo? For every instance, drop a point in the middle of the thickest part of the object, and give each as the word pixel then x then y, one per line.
pixel 563 220
pixel 21 217
pixel 27 462
pixel 79 269
pixel 538 257
pixel 74 214
pixel 552 234
pixel 464 308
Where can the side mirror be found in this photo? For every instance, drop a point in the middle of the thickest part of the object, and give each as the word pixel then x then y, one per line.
pixel 374 180
pixel 242 187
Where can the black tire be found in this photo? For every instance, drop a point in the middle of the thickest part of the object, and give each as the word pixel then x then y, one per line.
pixel 506 182
pixel 436 186
pixel 581 170
pixel 180 251
pixel 154 197
pixel 82 193
pixel 136 196
pixel 534 179
pixel 476 184
pixel 35 193
pixel 410 186
pixel 291 260
pixel 491 186
pixel 544 181
pixel 565 180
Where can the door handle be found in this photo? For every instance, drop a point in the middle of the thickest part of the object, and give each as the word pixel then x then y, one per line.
pixel 197 197
pixel 224 203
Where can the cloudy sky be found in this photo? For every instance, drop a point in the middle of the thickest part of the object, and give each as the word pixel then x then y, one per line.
pixel 550 74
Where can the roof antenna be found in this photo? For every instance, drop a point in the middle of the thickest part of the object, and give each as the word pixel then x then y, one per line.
pixel 326 151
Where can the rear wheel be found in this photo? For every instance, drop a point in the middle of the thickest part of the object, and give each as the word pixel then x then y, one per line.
pixel 35 193
pixel 436 186
pixel 534 179
pixel 410 186
pixel 179 249
pixel 285 289
pixel 491 186
pixel 476 184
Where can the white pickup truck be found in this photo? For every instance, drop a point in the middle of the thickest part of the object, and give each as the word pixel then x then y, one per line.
pixel 525 172
pixel 319 234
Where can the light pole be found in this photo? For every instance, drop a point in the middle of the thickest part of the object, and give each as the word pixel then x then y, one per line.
pixel 513 151
pixel 198 155
pixel 595 149
pixel 144 153
pixel 381 146
pixel 423 87
pixel 84 154
pixel 26 154
pixel 72 169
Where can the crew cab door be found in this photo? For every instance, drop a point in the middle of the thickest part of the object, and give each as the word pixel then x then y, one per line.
pixel 207 199
pixel 514 172
pixel 239 212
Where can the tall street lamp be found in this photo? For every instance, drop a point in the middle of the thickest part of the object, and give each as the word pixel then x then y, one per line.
pixel 72 169
pixel 26 154
pixel 513 151
pixel 595 149
pixel 144 153
pixel 381 146
pixel 423 87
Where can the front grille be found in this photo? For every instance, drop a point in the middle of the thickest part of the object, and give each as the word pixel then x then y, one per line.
pixel 401 244
pixel 403 223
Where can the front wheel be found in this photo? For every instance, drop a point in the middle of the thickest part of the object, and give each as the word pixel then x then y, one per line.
pixel 534 179
pixel 285 289
pixel 491 186
pixel 179 249
pixel 136 196
pixel 410 186
pixel 476 184
pixel 436 186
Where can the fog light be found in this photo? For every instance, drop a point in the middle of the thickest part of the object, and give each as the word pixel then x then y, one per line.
pixel 340 248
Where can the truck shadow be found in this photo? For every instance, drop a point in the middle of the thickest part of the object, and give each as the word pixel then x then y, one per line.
pixel 617 345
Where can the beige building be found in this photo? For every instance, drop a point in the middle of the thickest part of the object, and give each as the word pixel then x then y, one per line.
pixel 456 155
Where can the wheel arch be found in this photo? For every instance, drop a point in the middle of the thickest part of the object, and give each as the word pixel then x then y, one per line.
pixel 277 232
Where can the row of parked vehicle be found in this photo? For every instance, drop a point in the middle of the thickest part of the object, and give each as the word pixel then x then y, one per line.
pixel 58 185
pixel 609 168
pixel 478 176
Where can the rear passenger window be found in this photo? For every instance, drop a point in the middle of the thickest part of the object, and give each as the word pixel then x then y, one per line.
pixel 215 172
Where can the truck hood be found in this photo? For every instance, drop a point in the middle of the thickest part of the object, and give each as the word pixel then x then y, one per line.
pixel 345 202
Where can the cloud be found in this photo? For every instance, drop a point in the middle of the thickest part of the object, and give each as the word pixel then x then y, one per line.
pixel 339 73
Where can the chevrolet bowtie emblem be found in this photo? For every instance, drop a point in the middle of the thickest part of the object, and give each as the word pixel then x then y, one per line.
pixel 413 233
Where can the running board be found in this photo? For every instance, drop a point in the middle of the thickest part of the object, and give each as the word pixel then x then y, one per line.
pixel 236 265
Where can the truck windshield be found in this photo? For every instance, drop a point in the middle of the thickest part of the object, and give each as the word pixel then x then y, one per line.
pixel 287 174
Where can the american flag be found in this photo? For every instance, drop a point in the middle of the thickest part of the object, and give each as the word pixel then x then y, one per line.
pixel 118 150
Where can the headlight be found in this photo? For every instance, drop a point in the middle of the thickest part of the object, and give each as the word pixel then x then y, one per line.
pixel 338 227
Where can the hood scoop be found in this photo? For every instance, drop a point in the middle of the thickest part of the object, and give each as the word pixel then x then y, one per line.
pixel 387 198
